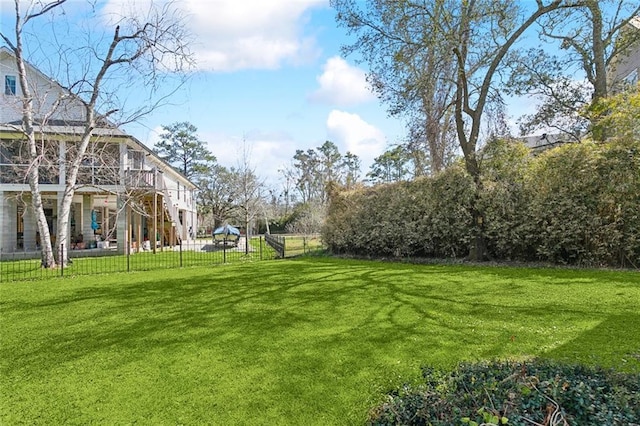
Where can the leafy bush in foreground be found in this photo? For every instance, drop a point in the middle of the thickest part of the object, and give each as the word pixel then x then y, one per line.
pixel 515 393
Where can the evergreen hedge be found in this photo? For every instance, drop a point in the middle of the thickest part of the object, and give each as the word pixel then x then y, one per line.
pixel 577 204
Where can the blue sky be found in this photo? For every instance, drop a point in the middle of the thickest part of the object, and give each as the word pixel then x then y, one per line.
pixel 270 74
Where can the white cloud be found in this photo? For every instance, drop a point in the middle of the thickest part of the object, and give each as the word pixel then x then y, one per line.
pixel 342 84
pixel 231 35
pixel 351 132
pixel 267 151
pixel 249 34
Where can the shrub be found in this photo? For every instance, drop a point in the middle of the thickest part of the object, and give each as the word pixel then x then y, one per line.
pixel 427 217
pixel 505 200
pixel 443 224
pixel 585 200
pixel 576 204
pixel 515 393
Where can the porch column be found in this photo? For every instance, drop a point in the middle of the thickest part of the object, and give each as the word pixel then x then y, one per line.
pixel 8 219
pixel 30 226
pixel 122 226
pixel 3 249
pixel 85 228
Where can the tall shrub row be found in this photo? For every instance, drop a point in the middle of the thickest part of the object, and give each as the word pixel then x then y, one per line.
pixel 576 204
pixel 425 217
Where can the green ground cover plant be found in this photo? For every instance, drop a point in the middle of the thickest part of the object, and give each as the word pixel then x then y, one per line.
pixel 523 393
pixel 301 341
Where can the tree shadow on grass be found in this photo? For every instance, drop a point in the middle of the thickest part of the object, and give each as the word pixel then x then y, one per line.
pixel 614 342
pixel 314 304
pixel 326 334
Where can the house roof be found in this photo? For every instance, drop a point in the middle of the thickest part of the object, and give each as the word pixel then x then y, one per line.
pixel 544 141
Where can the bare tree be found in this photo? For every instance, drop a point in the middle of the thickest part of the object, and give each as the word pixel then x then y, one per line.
pixel 143 46
pixel 248 192
pixel 413 80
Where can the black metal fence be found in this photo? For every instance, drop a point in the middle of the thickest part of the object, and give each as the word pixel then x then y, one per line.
pixel 27 265
pixel 277 243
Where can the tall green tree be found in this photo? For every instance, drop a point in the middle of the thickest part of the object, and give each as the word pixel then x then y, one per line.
pixel 304 172
pixel 312 170
pixel 351 165
pixel 181 147
pixel 215 195
pixel 391 166
pixel 475 35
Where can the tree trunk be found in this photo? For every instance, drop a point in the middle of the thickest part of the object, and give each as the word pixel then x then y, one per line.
pixel 33 175
pixel 478 248
pixel 599 54
pixel 47 256
pixel 63 241
pixel 64 209
pixel 246 232
pixel 600 71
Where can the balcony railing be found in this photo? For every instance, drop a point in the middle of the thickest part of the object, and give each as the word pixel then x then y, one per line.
pixel 143 179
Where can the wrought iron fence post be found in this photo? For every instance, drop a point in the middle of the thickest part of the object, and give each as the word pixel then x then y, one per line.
pixel 61 258
pixel 224 250
pixel 128 252
pixel 181 252
pixel 260 247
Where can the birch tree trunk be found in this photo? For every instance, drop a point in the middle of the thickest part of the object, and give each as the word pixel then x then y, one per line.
pixel 33 175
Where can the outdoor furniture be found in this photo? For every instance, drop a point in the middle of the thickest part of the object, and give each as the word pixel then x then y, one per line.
pixel 226 234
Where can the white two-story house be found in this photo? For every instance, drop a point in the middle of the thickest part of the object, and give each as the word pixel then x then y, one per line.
pixel 126 196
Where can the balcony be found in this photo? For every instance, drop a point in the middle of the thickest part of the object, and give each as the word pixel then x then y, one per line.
pixel 141 179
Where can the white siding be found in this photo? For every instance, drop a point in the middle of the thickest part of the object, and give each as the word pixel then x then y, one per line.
pixel 45 92
pixel 625 67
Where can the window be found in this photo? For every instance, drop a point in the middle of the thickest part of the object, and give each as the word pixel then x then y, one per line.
pixel 9 84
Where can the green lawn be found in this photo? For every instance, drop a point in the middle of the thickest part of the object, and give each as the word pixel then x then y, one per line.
pixel 302 341
pixel 296 245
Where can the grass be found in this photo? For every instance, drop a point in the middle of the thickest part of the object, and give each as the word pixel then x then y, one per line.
pixel 297 245
pixel 302 341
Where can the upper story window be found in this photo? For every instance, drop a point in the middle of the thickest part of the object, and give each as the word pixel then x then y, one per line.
pixel 9 84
